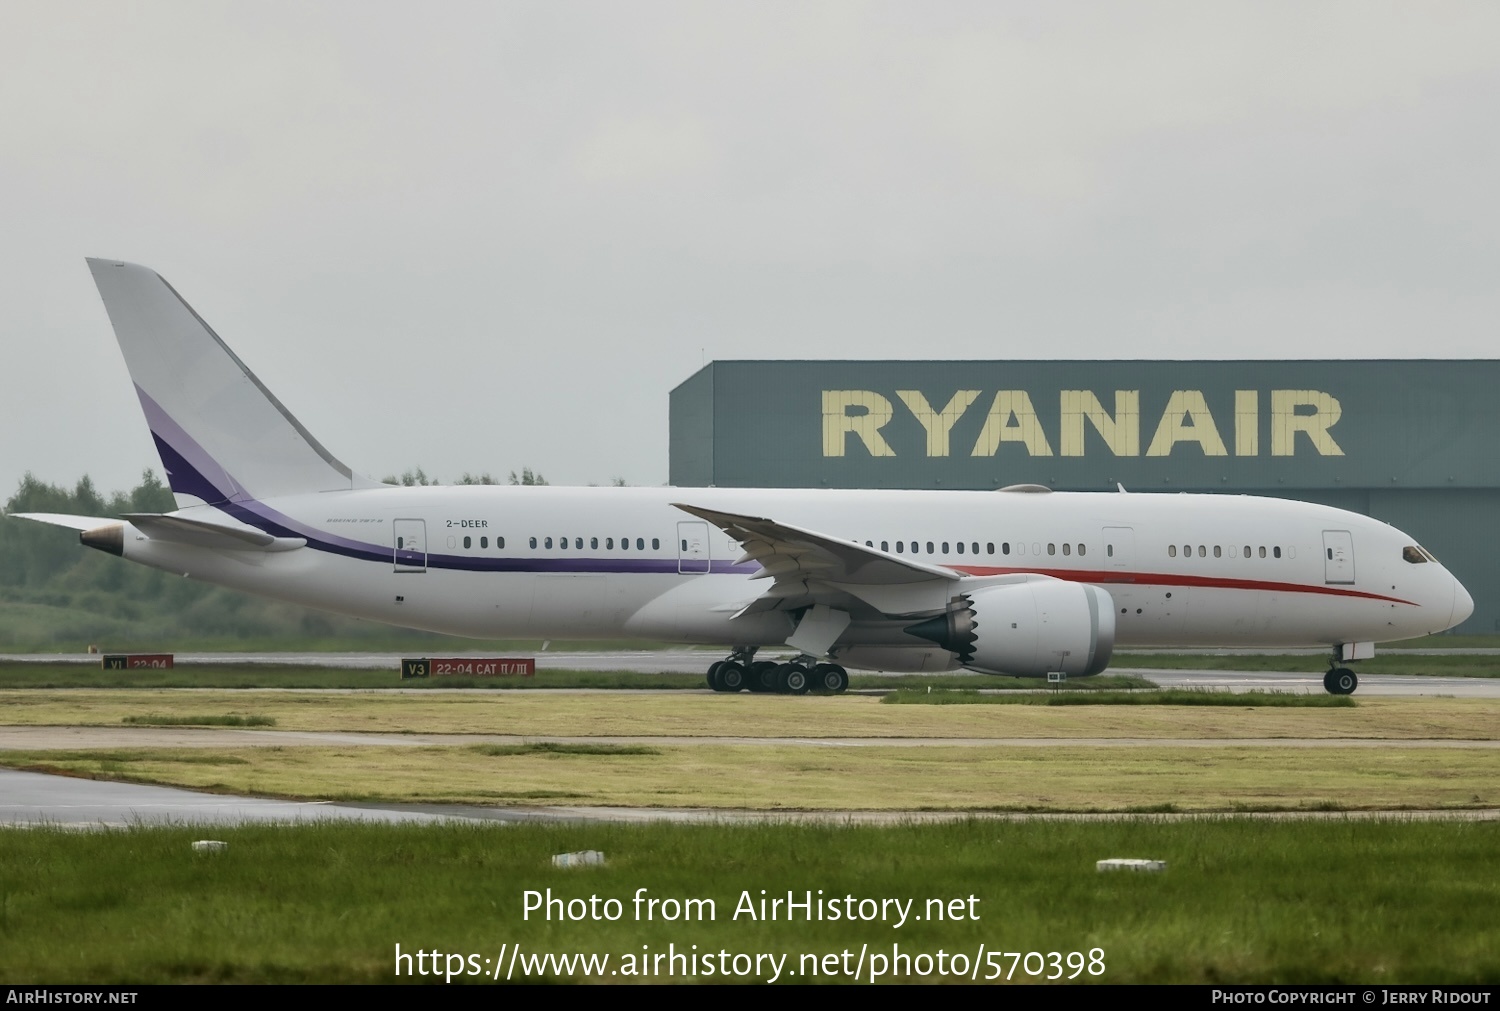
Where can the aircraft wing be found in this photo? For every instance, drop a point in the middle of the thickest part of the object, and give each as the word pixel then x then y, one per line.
pixel 807 568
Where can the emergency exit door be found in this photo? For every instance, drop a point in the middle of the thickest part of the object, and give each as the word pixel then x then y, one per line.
pixel 1338 556
pixel 692 546
pixel 411 545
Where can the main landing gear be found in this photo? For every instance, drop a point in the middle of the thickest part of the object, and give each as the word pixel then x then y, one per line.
pixel 800 676
pixel 1340 681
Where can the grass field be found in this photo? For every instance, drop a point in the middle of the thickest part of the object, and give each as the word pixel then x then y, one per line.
pixel 667 714
pixel 1240 901
pixel 787 777
pixel 1025 758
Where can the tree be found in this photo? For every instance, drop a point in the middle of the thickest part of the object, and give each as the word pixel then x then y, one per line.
pixel 412 479
pixel 527 477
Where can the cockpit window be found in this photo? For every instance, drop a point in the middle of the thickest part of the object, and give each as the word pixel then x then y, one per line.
pixel 1413 554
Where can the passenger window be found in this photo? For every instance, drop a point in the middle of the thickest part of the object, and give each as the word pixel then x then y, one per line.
pixel 548 542
pixel 656 544
pixel 1171 551
pixel 684 545
pixel 533 542
pixel 484 542
pixel 593 543
pixel 1083 549
pixel 960 547
pixel 624 543
pixel 500 543
pixel 1051 548
pixel 1276 552
pixel 989 547
pixel 898 546
pixel 1067 548
pixel 1218 551
pixel 1247 551
pixel 468 541
pixel 1262 551
pixel 975 546
pixel 1202 551
pixel 945 547
pixel 885 545
pixel 929 547
pixel 1005 548
pixel 640 544
pixel 609 542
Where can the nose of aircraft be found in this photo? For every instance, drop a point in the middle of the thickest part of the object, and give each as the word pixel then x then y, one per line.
pixel 1463 604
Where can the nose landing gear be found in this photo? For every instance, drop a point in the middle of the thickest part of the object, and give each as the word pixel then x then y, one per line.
pixel 1340 681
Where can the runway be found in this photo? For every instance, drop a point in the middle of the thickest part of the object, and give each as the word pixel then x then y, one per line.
pixel 32 800
pixel 54 738
pixel 692 663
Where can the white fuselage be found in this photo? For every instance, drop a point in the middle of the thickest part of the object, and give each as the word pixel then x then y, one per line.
pixel 548 562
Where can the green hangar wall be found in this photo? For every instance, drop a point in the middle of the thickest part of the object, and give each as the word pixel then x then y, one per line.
pixel 1414 443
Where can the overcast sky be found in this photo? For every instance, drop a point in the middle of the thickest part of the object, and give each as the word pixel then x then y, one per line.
pixel 494 235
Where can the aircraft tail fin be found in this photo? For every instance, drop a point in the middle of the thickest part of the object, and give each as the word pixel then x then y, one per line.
pixel 222 436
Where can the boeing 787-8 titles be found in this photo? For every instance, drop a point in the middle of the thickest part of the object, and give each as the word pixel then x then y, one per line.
pixel 1023 581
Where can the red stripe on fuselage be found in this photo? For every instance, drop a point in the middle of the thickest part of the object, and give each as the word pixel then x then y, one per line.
pixel 1103 577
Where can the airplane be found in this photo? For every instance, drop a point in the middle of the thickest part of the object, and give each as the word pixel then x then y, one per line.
pixel 1023 581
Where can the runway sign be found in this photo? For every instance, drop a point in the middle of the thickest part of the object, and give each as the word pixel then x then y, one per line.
pixel 469 667
pixel 137 661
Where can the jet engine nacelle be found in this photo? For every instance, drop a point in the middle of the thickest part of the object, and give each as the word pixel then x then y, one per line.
pixel 1027 629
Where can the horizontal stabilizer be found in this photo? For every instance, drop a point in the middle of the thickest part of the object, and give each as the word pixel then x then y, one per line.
pixel 79 523
pixel 207 534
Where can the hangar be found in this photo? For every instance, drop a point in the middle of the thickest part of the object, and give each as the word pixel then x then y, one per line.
pixel 1411 442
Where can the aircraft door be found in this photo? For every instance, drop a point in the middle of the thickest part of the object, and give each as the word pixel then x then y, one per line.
pixel 411 545
pixel 1119 547
pixel 1338 556
pixel 692 546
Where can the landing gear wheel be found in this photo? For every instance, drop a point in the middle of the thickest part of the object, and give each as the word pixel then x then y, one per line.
pixel 731 676
pixel 793 679
pixel 830 677
pixel 713 674
pixel 1340 681
pixel 761 676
